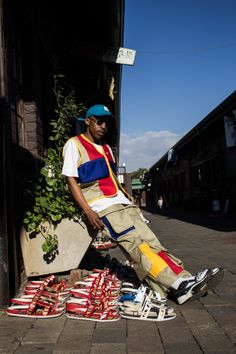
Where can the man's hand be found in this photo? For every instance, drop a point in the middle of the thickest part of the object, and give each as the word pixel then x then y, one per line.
pixel 94 219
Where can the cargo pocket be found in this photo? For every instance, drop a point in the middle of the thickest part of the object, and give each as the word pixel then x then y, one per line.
pixel 118 223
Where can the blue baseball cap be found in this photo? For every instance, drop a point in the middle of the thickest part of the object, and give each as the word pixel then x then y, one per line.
pixel 98 110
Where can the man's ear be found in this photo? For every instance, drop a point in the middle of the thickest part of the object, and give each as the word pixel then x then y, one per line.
pixel 87 121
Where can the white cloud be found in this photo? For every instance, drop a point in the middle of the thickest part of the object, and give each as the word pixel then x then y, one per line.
pixel 145 149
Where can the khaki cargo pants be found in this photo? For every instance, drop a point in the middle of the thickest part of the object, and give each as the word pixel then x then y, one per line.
pixel 150 259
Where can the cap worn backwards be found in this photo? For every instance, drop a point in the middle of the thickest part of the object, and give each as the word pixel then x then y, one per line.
pixel 98 110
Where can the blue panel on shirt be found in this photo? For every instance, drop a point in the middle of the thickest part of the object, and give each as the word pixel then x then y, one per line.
pixel 93 170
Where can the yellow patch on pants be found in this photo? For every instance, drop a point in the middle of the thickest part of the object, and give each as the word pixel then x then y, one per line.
pixel 157 263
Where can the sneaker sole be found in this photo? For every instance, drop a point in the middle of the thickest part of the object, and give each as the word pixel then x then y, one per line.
pixel 194 293
pixel 214 279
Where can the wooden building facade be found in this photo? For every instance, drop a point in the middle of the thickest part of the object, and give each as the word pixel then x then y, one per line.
pixel 40 39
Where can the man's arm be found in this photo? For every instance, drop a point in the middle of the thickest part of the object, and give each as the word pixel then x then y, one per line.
pixel 79 198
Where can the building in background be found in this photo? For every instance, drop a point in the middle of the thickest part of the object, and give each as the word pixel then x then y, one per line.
pixel 125 178
pixel 137 192
pixel 199 171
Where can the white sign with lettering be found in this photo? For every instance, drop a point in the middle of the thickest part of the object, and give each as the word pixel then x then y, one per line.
pixel 119 56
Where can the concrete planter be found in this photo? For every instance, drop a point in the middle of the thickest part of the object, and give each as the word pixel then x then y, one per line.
pixel 73 242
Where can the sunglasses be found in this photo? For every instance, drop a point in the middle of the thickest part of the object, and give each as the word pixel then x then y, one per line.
pixel 101 120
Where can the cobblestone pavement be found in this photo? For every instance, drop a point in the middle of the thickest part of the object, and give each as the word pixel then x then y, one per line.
pixel 205 326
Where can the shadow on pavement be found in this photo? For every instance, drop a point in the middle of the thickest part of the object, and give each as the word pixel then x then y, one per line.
pixel 220 222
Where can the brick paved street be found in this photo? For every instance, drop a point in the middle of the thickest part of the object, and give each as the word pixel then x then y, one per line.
pixel 204 326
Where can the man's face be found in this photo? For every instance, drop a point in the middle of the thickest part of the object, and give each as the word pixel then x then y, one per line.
pixel 97 127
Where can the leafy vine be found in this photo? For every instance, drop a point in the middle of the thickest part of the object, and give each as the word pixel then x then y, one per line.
pixel 49 200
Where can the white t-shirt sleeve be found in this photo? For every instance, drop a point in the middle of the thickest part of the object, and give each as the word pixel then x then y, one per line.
pixel 71 159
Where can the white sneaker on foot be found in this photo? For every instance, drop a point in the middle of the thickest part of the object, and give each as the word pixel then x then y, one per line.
pixel 192 288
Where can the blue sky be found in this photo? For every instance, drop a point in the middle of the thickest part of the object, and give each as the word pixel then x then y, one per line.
pixel 185 66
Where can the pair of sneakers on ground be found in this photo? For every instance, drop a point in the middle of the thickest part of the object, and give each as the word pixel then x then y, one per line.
pixel 196 286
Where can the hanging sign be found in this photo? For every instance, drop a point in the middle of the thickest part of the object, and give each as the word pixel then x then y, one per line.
pixel 119 56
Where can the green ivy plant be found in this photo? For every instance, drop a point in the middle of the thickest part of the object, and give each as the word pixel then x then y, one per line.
pixel 50 200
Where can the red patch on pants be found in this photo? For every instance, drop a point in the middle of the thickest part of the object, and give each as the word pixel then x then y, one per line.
pixel 176 269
